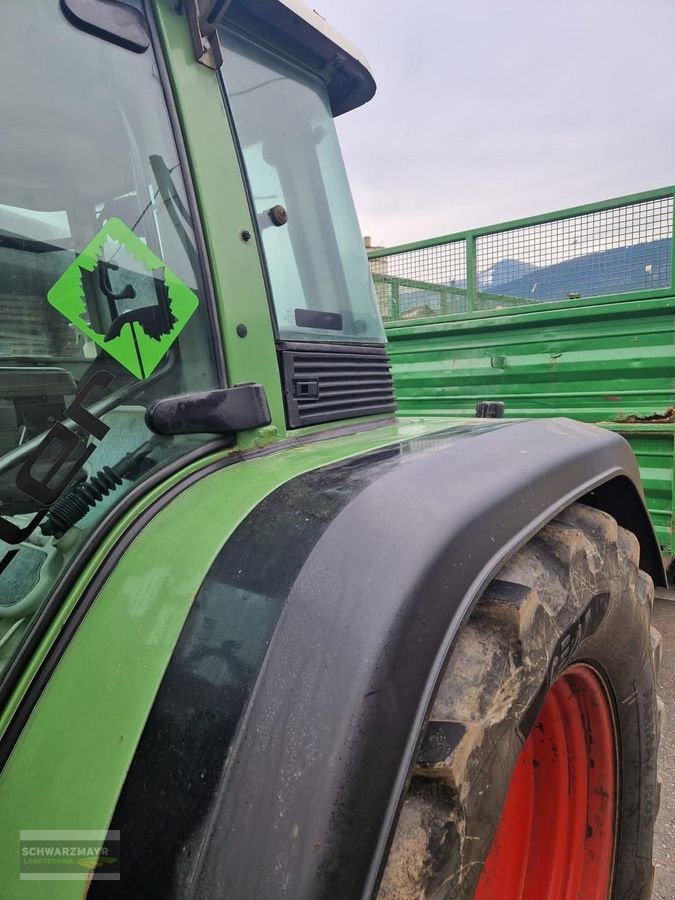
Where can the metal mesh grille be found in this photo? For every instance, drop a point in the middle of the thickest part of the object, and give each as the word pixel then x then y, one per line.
pixel 619 250
pixel 607 252
pixel 426 282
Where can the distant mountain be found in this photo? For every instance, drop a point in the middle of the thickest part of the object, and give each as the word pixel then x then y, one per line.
pixel 639 267
pixel 503 272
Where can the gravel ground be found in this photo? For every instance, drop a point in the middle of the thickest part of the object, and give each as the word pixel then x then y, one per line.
pixel 664 837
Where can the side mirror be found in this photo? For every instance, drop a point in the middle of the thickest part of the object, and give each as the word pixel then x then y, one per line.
pixel 225 411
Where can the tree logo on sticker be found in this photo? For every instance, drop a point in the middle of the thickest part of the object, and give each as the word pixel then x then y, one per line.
pixel 147 304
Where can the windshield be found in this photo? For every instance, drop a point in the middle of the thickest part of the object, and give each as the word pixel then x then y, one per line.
pixel 320 282
pixel 101 308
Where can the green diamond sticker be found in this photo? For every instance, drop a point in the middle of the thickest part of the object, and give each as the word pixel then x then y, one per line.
pixel 140 336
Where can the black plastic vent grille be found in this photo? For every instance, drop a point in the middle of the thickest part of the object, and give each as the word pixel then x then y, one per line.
pixel 323 383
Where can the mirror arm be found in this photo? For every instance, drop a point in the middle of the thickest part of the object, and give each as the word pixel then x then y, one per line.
pixel 203 18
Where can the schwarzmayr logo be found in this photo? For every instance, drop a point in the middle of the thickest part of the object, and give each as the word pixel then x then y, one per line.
pixel 63 855
pixel 140 336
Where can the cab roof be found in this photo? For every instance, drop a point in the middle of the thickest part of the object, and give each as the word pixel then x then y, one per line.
pixel 303 34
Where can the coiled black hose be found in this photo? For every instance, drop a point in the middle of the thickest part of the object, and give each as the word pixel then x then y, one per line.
pixel 76 502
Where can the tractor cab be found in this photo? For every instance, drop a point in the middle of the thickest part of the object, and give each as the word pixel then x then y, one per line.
pixel 109 306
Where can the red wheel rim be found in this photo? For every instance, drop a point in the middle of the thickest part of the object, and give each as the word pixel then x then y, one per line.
pixel 555 838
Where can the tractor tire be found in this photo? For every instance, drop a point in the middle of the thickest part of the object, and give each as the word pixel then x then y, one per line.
pixel 537 771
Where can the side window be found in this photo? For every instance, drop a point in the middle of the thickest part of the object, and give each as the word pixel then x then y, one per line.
pixel 321 289
pixel 101 303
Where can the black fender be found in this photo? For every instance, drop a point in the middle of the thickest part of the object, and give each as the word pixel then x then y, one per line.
pixel 305 787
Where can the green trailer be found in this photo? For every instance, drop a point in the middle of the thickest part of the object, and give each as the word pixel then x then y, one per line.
pixel 570 313
pixel 261 637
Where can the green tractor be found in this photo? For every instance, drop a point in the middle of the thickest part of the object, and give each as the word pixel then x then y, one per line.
pixel 260 637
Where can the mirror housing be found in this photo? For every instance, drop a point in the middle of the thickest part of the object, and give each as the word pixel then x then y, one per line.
pixel 224 411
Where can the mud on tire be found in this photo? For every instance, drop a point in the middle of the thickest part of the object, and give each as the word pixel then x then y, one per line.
pixel 573 594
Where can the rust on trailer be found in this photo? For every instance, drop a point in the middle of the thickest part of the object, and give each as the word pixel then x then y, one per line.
pixel 664 418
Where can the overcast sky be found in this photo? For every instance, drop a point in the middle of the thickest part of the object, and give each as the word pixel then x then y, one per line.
pixel 489 110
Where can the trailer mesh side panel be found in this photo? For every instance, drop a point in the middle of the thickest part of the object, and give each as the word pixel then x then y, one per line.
pixel 612 251
pixel 426 282
pixel 601 252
